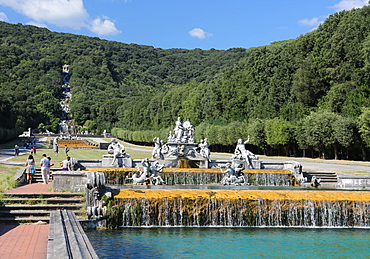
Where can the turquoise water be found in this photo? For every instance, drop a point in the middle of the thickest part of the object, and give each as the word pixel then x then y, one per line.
pixel 223 242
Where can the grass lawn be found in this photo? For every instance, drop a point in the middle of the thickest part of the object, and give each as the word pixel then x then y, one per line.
pixel 134 151
pixel 7 173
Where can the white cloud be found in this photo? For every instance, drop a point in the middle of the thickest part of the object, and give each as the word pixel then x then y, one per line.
pixel 64 13
pixel 103 27
pixel 3 17
pixel 314 22
pixel 199 33
pixel 349 4
pixel 37 24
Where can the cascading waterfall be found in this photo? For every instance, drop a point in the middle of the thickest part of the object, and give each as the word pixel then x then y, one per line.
pixel 207 176
pixel 269 179
pixel 243 208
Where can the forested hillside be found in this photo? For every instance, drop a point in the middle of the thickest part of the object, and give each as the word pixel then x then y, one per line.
pixel 310 93
pixel 103 75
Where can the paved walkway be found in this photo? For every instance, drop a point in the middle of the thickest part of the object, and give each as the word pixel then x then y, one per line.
pixel 25 241
pixel 32 188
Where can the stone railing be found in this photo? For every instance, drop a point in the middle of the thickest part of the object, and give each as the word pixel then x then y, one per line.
pixel 67 238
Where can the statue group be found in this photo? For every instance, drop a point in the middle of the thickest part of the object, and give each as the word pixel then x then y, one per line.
pixel 149 174
pixel 183 132
pixel 181 147
pixel 240 160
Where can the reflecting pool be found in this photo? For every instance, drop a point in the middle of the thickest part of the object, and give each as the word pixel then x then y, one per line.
pixel 233 242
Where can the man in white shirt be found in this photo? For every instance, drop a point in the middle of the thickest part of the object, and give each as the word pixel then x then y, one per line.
pixel 45 169
pixel 67 164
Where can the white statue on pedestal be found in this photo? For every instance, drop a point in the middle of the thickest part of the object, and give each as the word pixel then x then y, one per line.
pixel 117 149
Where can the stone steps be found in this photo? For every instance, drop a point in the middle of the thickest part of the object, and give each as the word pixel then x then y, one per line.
pixel 35 207
pixel 24 219
pixel 326 178
pixel 48 201
pixel 41 206
pixel 37 177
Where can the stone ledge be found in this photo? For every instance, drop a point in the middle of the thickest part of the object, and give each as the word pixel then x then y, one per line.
pixel 67 238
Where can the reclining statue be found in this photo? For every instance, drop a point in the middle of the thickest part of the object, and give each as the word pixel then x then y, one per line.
pixel 241 153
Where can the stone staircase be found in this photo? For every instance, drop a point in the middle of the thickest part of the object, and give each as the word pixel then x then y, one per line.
pixel 326 178
pixel 37 177
pixel 34 207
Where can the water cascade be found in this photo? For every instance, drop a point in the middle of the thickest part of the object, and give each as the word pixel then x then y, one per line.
pixel 202 176
pixel 250 208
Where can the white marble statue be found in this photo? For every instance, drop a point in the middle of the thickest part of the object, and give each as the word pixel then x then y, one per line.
pixel 242 153
pixel 155 178
pixel 204 149
pixel 179 130
pixel 157 151
pixel 232 176
pixel 183 132
pixel 117 149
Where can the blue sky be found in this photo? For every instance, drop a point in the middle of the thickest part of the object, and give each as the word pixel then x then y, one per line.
pixel 185 24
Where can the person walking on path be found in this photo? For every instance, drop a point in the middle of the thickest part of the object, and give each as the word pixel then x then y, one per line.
pixel 66 150
pixel 66 164
pixel 33 150
pixel 56 149
pixel 16 150
pixel 30 168
pixel 45 162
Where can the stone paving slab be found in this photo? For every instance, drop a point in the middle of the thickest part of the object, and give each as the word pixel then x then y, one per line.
pixel 23 241
pixel 32 188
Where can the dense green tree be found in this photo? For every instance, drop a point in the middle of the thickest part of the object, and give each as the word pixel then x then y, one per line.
pixel 258 135
pixel 318 130
pixel 344 133
pixel 279 133
pixel 364 125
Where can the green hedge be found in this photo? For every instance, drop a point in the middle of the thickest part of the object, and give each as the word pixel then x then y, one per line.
pixel 8 134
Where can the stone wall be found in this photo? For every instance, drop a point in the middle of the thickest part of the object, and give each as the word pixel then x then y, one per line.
pixel 74 181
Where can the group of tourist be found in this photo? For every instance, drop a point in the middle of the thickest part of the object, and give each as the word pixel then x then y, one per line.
pixel 45 164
